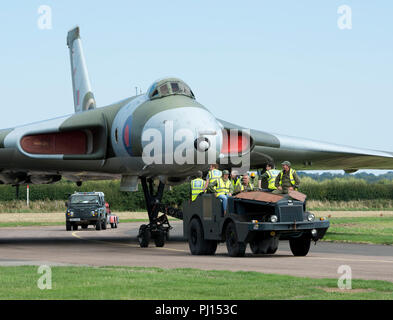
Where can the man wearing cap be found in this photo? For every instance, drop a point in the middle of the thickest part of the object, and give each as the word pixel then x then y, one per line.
pixel 287 179
pixel 223 189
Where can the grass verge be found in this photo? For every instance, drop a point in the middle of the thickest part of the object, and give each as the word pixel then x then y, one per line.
pixel 156 283
pixel 376 230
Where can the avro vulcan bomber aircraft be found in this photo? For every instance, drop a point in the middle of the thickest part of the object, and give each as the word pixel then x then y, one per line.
pixel 117 141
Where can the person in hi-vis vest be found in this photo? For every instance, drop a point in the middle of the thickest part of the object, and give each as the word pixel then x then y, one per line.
pixel 197 186
pixel 222 188
pixel 268 179
pixel 213 175
pixel 287 179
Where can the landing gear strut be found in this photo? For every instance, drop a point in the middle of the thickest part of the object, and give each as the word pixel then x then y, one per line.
pixel 158 227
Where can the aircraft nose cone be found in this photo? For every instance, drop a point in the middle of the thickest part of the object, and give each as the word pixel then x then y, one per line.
pixel 185 135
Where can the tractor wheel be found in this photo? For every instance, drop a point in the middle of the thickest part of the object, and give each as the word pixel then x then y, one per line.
pixel 234 247
pixel 300 246
pixel 254 246
pixel 196 241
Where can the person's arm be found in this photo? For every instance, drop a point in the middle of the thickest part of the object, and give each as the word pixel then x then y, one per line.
pixel 211 185
pixel 297 179
pixel 231 189
pixel 206 183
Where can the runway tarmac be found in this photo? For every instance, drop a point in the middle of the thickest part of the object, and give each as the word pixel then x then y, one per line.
pixel 54 246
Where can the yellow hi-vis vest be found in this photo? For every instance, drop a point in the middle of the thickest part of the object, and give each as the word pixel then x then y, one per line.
pixel 222 187
pixel 291 171
pixel 197 186
pixel 235 182
pixel 250 185
pixel 272 174
pixel 214 175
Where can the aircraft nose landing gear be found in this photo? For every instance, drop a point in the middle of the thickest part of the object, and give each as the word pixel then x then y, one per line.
pixel 158 227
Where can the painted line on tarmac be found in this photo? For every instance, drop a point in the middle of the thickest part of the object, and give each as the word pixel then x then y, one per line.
pixel 354 260
pixel 74 234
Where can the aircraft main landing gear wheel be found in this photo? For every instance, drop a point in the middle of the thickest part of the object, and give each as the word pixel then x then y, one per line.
pixel 159 238
pixel 300 246
pixel 144 236
pixel 234 247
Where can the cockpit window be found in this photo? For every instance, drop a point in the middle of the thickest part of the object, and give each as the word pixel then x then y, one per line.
pixel 175 87
pixel 170 86
pixel 164 90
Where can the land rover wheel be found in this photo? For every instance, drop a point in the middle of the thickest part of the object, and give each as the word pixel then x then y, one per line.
pixel 68 226
pixel 98 225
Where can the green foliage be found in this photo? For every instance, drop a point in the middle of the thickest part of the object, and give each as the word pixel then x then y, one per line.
pixel 346 188
pixel 119 201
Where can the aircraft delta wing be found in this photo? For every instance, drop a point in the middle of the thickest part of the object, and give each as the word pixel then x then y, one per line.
pixel 308 154
pixel 111 142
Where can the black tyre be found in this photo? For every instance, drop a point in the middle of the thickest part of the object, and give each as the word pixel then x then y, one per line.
pixel 300 246
pixel 211 247
pixel 144 236
pixel 68 226
pixel 98 225
pixel 74 227
pixel 234 247
pixel 104 223
pixel 273 245
pixel 198 245
pixel 254 246
pixel 112 225
pixel 84 226
pixel 159 239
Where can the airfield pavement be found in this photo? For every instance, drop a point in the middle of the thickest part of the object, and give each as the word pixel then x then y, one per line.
pixel 53 245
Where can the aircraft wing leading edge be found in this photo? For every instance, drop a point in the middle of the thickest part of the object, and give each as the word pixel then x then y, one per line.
pixel 307 154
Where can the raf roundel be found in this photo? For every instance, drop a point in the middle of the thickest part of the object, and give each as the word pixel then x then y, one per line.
pixel 127 135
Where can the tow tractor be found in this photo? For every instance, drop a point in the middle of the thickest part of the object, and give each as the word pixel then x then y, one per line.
pixel 260 219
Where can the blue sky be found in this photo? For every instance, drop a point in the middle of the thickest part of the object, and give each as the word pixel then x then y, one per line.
pixel 278 66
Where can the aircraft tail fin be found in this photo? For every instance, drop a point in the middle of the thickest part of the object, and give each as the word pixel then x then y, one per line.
pixel 83 95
